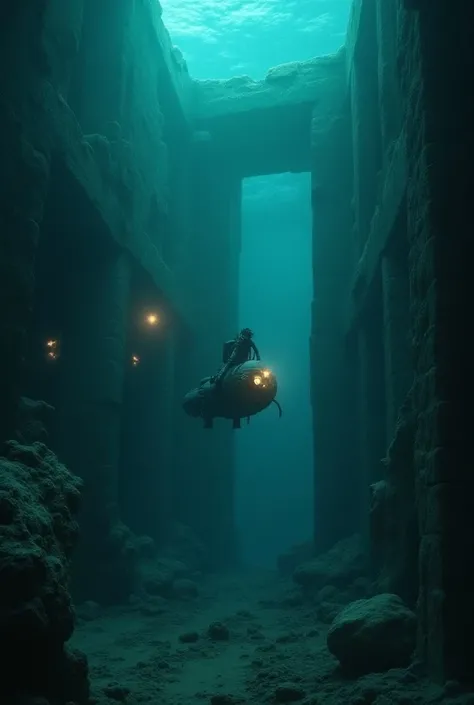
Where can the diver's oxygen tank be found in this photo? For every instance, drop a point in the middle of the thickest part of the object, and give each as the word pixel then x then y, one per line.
pixel 251 386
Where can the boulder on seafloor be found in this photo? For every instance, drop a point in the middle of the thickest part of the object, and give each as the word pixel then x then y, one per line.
pixel 373 635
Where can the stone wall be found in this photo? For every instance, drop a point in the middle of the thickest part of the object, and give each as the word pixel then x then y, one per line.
pixel 109 147
pixel 435 64
pixel 413 265
pixel 98 180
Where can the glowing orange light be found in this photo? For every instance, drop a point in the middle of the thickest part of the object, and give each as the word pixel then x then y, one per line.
pixel 152 319
pixel 257 380
pixel 135 360
pixel 266 373
pixel 52 349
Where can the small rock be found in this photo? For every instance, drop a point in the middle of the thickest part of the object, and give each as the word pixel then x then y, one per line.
pixel 327 612
pixel 153 606
pixel 189 637
pixel 287 638
pixel 255 634
pixel 218 631
pixel 225 700
pixel 327 593
pixel 116 692
pixel 288 694
pixel 159 585
pixel 185 589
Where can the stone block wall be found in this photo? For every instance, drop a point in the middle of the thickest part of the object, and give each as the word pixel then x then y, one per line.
pixel 415 242
pixel 435 67
pixel 96 134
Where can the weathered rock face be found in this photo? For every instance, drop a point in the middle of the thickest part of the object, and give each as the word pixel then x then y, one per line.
pixel 373 635
pixel 411 153
pixel 393 515
pixel 38 501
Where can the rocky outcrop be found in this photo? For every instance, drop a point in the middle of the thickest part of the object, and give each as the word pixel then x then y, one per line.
pixel 341 565
pixel 39 498
pixel 373 635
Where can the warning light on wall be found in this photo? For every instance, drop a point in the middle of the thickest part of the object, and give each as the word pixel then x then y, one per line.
pixel 135 360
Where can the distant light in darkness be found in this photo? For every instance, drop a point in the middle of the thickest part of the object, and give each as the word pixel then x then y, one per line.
pixel 52 349
pixel 152 319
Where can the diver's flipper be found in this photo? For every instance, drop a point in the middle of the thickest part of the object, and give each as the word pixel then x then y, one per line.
pixel 236 423
pixel 279 408
pixel 208 422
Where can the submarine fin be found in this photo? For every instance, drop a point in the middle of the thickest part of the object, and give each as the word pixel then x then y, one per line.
pixel 280 412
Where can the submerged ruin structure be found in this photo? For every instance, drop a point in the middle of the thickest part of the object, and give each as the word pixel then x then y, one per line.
pixel 120 187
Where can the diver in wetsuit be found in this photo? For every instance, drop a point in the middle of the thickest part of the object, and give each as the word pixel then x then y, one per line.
pixel 240 389
pixel 235 352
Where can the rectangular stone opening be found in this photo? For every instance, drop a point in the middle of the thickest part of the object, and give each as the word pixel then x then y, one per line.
pixel 275 293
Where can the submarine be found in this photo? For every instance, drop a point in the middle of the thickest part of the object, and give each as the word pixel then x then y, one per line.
pixel 244 390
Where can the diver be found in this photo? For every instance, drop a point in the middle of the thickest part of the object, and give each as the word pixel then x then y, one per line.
pixel 240 389
pixel 236 352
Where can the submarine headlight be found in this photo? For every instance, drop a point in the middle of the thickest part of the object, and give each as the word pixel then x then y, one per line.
pixel 266 373
pixel 257 380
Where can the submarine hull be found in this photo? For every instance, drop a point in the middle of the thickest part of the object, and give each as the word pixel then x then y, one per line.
pixel 246 390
